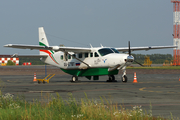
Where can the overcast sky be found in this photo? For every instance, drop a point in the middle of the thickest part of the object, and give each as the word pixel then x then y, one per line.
pixel 108 22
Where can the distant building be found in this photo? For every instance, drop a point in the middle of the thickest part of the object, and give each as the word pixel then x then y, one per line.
pixel 4 59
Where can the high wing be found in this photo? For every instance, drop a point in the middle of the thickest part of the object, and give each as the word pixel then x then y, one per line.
pixel 55 48
pixel 125 49
pixel 79 49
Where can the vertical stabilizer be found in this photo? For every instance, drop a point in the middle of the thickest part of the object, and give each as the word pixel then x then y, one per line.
pixel 42 39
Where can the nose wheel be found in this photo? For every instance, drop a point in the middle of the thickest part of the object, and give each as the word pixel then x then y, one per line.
pixel 124 79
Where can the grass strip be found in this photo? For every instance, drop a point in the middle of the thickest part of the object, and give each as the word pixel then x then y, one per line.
pixel 55 108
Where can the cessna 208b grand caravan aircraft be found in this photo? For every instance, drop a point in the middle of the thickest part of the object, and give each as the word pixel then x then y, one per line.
pixel 88 62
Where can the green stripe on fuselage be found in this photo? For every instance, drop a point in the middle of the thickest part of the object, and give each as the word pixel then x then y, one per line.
pixel 90 72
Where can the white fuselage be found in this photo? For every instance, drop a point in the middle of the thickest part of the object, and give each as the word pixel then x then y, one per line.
pixel 94 59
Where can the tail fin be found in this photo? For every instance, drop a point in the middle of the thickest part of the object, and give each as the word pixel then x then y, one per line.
pixel 42 40
pixel 42 37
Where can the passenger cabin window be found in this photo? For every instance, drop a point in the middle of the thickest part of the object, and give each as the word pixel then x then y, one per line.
pixel 61 57
pixel 91 54
pixel 106 51
pixel 65 56
pixel 80 55
pixel 96 55
pixel 73 56
pixel 69 57
pixel 86 55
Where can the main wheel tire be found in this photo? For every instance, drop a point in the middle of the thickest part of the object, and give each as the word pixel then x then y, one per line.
pixel 124 78
pixel 111 78
pixel 74 78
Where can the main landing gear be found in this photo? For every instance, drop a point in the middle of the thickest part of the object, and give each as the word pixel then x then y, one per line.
pixel 74 78
pixel 111 79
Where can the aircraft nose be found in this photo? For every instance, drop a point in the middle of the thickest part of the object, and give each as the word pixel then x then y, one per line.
pixel 129 58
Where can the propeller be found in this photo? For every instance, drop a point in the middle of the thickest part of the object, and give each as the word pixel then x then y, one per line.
pixel 130 54
pixel 129 48
pixel 139 63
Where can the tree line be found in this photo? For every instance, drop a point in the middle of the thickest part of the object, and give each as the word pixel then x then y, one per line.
pixel 155 58
pixel 34 61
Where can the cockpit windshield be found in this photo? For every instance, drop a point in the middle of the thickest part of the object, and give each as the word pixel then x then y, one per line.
pixel 116 51
pixel 105 51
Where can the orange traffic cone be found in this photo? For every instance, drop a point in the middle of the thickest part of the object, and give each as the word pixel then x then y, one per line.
pixel 34 77
pixel 179 78
pixel 135 79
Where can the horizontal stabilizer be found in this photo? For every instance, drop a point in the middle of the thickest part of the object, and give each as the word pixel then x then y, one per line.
pixel 20 46
pixel 29 56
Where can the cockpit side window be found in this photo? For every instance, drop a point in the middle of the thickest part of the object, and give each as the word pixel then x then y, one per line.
pixel 105 51
pixel 96 55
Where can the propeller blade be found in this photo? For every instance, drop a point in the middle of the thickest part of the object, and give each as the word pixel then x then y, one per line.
pixel 129 48
pixel 139 63
pixel 130 54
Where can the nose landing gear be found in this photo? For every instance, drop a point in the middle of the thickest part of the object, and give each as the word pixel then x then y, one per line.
pixel 124 78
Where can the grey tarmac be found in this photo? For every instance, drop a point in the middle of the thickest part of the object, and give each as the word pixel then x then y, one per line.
pixel 158 90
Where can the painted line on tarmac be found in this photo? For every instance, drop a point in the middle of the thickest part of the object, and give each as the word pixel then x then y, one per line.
pixel 75 91
pixel 143 89
pixel 63 84
pixel 41 91
pixel 105 89
pixel 170 92
pixel 12 81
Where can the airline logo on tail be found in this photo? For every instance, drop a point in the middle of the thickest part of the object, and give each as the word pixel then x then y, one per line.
pixel 49 52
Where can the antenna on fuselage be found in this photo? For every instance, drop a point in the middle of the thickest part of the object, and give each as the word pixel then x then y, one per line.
pixel 101 45
pixel 91 45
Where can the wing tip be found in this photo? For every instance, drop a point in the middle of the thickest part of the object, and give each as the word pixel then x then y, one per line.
pixel 8 45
